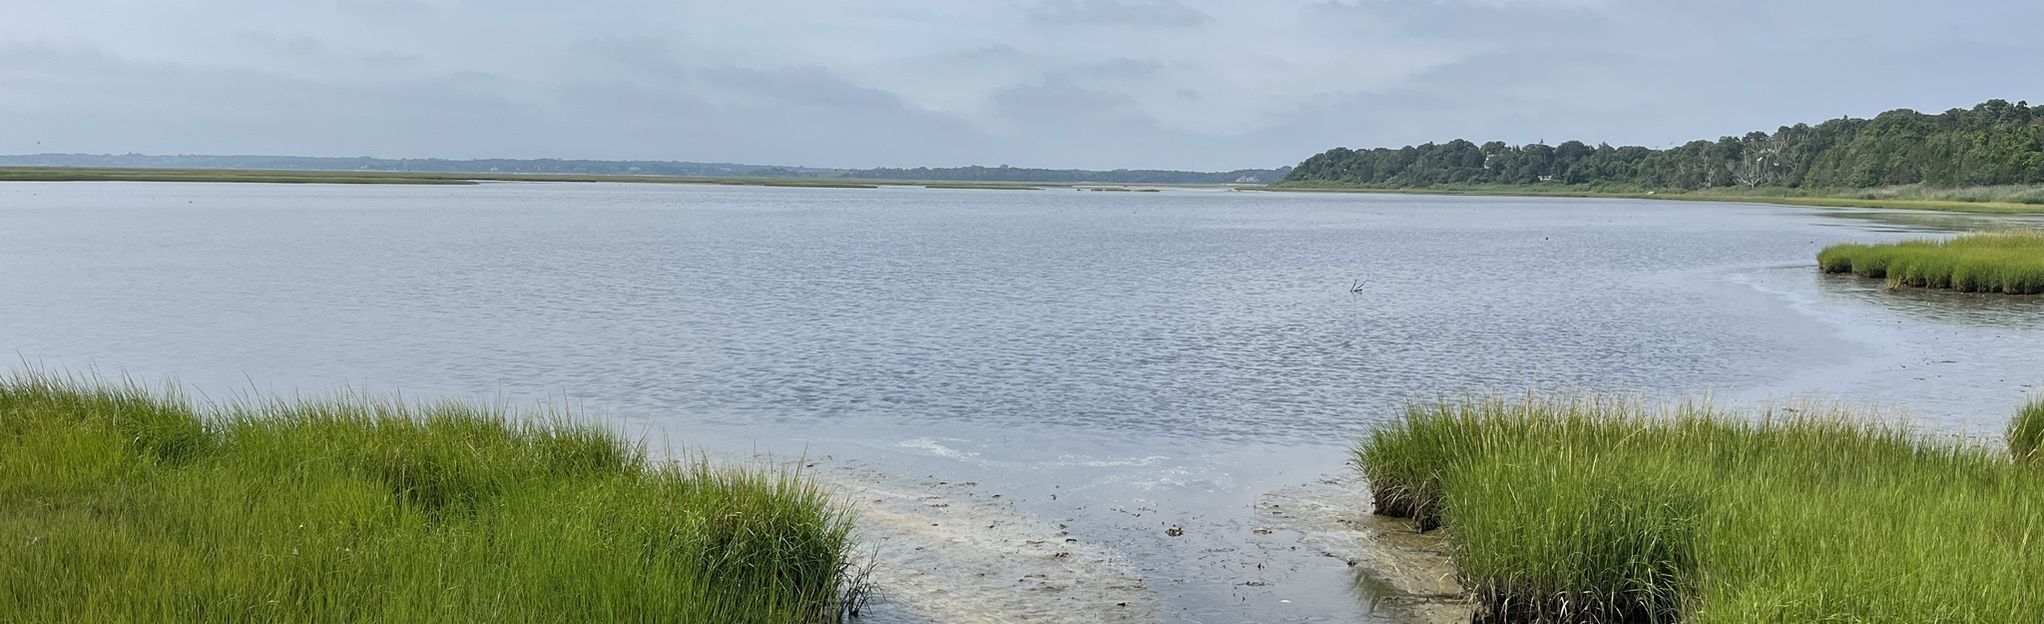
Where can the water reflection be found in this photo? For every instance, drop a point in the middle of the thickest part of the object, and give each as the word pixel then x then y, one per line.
pixel 1372 593
pixel 1982 310
pixel 1918 222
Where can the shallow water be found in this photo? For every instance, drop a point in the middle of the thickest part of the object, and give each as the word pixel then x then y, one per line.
pixel 1152 359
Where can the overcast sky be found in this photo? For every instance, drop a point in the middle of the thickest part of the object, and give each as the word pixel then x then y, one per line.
pixel 1202 84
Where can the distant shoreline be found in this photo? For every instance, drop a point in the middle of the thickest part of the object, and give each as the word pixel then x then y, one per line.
pixel 970 174
pixel 269 176
pixel 1822 201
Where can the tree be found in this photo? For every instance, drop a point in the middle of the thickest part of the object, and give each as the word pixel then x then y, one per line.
pixel 1995 142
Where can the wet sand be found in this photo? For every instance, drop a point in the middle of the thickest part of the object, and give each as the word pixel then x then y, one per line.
pixel 947 550
pixel 1410 573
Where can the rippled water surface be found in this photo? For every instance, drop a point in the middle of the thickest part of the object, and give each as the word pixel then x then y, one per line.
pixel 1184 350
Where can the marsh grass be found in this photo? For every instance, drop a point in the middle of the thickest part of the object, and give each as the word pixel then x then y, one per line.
pixel 982 186
pixel 2026 434
pixel 97 174
pixel 2007 193
pixel 119 504
pixel 1597 510
pixel 2009 262
pixel 137 174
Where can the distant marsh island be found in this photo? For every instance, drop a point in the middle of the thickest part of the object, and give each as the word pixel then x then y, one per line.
pixel 1991 262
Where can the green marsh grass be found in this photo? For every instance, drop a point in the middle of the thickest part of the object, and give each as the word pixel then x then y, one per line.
pixel 2006 194
pixel 2026 434
pixel 119 504
pixel 2009 262
pixel 1597 510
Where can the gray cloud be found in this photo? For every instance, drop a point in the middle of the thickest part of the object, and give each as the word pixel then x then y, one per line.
pixel 1087 83
pixel 266 43
pixel 1138 13
pixel 804 87
pixel 1055 103
pixel 1116 68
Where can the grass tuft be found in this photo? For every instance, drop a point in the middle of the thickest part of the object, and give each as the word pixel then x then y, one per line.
pixel 1995 262
pixel 2026 434
pixel 1596 510
pixel 119 504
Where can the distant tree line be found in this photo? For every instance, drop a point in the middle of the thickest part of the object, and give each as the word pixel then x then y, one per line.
pixel 1993 143
pixel 1118 176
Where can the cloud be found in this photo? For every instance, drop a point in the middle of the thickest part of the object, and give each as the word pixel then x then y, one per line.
pixel 1117 69
pixel 1090 83
pixel 266 43
pixel 1063 104
pixel 804 87
pixel 1139 13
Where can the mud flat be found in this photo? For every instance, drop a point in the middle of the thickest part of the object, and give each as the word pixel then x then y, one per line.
pixel 1408 574
pixel 946 551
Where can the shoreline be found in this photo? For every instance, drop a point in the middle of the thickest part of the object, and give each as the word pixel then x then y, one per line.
pixel 1805 201
pixel 275 176
pixel 304 176
pixel 1408 574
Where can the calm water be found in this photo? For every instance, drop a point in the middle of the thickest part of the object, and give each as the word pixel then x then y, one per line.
pixel 1184 350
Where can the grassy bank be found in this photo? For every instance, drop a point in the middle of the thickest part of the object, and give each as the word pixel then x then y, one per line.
pixel 1990 200
pixel 1587 510
pixel 2032 194
pixel 2026 434
pixel 120 505
pixel 1997 262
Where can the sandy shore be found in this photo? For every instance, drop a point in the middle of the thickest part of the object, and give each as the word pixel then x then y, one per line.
pixel 959 551
pixel 948 552
pixel 1409 573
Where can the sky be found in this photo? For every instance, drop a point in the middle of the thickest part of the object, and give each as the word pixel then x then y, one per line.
pixel 1176 84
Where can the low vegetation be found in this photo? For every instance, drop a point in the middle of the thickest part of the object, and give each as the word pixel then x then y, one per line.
pixel 123 505
pixel 2026 434
pixel 70 174
pixel 981 186
pixel 1998 194
pixel 1996 262
pixel 1596 510
pixel 79 174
